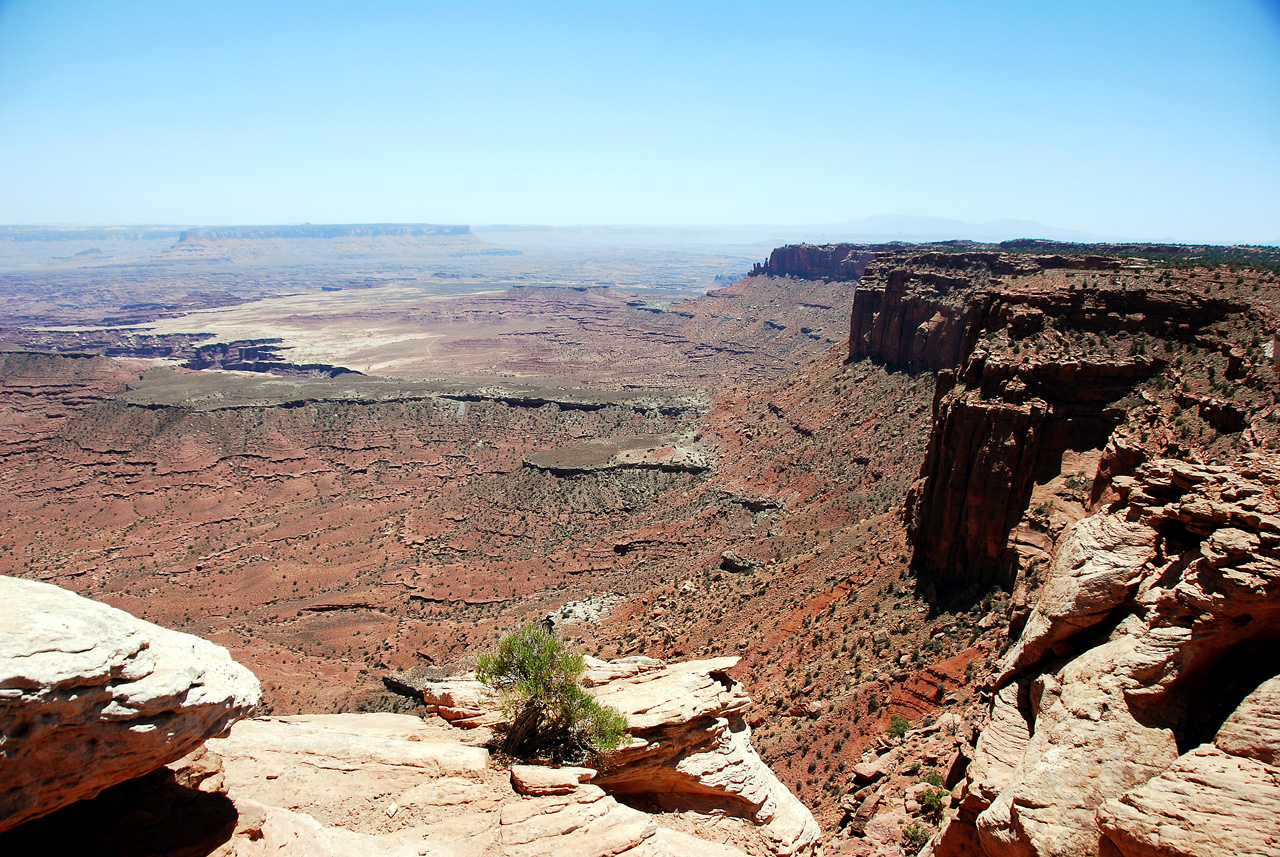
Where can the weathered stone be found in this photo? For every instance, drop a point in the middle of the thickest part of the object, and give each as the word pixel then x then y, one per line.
pixel 540 780
pixel 602 672
pixel 1253 730
pixel 322 785
pixel 692 748
pixel 1080 746
pixel 676 694
pixel 462 701
pixel 1000 748
pixel 1100 562
pixel 1087 746
pixel 1208 804
pixel 91 696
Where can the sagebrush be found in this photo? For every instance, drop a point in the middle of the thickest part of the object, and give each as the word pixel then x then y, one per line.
pixel 539 683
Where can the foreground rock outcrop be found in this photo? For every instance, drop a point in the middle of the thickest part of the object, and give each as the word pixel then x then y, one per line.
pixel 91 696
pixel 393 784
pixel 94 702
pixel 690 753
pixel 1139 711
pixel 689 785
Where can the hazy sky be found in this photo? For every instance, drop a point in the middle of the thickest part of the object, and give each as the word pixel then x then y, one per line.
pixel 1138 119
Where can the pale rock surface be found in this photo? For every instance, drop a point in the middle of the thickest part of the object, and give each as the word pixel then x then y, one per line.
pixel 91 696
pixel 679 693
pixel 1097 567
pixel 880 766
pixel 1208 804
pixel 1221 798
pixel 697 751
pixel 602 672
pixel 691 746
pixel 462 701
pixel 1253 730
pixel 271 830
pixel 999 750
pixel 541 780
pixel 1087 746
pixel 1147 602
pixel 392 785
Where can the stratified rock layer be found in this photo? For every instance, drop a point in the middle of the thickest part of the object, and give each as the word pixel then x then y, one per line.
pixel 1018 385
pixel 840 262
pixel 91 696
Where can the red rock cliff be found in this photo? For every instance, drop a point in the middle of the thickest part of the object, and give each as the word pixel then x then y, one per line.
pixel 1011 336
pixel 840 262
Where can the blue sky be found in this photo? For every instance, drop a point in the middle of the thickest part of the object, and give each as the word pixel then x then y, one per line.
pixel 1135 119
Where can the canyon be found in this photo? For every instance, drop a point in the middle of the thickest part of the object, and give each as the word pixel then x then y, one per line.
pixel 979 520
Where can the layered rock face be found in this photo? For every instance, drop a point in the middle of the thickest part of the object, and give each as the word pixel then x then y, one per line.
pixel 924 311
pixel 91 696
pixel 840 262
pixel 691 748
pixel 1011 337
pixel 998 424
pixel 1137 712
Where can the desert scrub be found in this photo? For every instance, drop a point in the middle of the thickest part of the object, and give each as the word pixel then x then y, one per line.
pixel 914 836
pixel 898 726
pixel 538 682
pixel 931 800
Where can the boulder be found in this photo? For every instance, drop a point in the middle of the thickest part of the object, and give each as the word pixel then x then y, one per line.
pixel 539 780
pixel 91 696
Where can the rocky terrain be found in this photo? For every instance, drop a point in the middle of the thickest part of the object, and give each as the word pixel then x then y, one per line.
pixel 1136 712
pixel 886 531
pixel 96 703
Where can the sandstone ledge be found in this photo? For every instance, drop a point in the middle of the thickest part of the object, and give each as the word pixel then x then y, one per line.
pixel 691 747
pixel 91 696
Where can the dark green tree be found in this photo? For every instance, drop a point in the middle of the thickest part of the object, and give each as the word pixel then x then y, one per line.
pixel 538 681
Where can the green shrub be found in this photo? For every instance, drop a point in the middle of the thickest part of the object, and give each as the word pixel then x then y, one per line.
pixel 898 726
pixel 914 836
pixel 537 680
pixel 930 801
pixel 933 777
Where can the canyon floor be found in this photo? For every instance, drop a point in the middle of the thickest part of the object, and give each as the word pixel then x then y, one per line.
pixel 340 484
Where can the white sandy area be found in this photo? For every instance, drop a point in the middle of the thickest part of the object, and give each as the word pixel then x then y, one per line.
pixel 315 328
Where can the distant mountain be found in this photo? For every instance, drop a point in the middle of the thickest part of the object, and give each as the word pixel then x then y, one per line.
pixel 870 230
pixel 896 227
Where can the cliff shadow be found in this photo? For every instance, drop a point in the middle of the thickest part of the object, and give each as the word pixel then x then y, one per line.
pixel 151 815
pixel 1196 706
